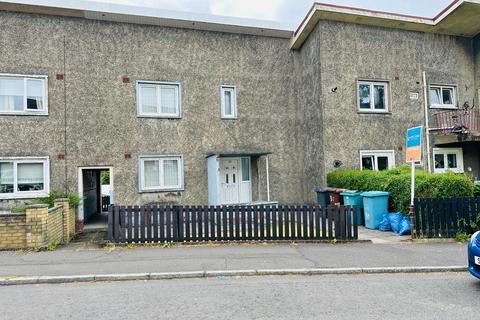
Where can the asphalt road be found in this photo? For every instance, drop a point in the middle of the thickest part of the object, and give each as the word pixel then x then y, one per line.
pixel 401 296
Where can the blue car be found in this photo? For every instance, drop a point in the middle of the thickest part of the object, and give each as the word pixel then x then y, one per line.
pixel 474 255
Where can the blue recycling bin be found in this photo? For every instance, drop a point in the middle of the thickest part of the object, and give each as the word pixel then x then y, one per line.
pixel 354 198
pixel 375 205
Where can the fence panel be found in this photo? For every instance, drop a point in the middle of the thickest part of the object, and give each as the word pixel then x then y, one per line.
pixel 153 223
pixel 445 217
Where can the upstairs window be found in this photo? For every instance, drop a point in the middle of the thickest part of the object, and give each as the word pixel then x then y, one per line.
pixel 229 102
pixel 377 160
pixel 372 96
pixel 442 97
pixel 161 173
pixel 23 178
pixel 23 95
pixel 158 99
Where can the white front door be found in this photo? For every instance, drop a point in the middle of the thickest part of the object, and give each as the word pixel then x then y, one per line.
pixel 229 184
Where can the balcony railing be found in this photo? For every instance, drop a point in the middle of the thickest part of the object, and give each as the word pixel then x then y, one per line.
pixel 458 121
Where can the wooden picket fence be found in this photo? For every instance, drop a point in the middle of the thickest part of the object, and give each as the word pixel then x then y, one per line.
pixel 153 224
pixel 445 217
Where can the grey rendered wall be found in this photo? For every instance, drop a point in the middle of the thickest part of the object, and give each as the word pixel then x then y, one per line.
pixel 309 93
pixel 351 52
pixel 102 125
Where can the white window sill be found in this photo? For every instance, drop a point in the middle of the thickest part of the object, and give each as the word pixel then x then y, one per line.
pixel 162 190
pixel 152 116
pixel 449 171
pixel 443 107
pixel 229 118
pixel 373 112
pixel 23 195
pixel 23 113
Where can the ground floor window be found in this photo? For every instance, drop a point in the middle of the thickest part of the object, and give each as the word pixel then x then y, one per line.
pixel 448 159
pixel 377 160
pixel 161 173
pixel 23 177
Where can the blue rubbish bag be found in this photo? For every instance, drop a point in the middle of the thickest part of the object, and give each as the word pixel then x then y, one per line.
pixel 385 224
pixel 395 220
pixel 406 228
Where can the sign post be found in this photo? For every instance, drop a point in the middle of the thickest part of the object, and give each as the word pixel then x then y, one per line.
pixel 414 155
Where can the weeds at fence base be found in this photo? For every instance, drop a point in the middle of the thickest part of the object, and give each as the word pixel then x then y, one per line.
pixel 462 237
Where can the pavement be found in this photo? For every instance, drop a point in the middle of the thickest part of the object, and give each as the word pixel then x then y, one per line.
pixel 86 259
pixel 436 296
pixel 113 260
pixel 378 237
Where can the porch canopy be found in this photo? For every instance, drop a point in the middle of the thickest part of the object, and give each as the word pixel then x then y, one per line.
pixel 214 192
pixel 237 154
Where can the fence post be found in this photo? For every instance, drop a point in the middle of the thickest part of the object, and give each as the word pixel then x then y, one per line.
pixel 110 223
pixel 412 222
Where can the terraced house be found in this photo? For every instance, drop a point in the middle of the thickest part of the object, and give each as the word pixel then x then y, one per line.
pixel 195 110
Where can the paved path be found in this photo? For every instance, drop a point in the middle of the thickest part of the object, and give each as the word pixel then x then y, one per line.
pixel 68 261
pixel 412 296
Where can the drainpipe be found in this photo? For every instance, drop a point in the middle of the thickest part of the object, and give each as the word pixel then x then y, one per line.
pixel 427 125
pixel 65 111
pixel 268 178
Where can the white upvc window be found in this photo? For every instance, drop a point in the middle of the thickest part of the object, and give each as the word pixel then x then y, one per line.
pixel 377 160
pixel 372 96
pixel 24 178
pixel 161 173
pixel 443 96
pixel 23 95
pixel 448 159
pixel 228 102
pixel 158 99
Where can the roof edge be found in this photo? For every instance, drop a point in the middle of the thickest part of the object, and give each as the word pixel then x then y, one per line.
pixel 334 12
pixel 149 16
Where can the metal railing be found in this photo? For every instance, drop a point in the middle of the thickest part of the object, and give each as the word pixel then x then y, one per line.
pixel 457 121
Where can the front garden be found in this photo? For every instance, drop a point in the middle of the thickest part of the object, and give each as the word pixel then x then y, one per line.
pixel 446 203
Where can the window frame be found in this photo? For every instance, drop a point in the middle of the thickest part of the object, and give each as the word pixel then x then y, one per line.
pixel 25 78
pixel 445 152
pixel 390 154
pixel 442 105
pixel 28 194
pixel 161 158
pixel 372 84
pixel 158 85
pixel 233 90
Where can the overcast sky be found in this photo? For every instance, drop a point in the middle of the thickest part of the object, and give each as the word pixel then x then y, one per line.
pixel 288 11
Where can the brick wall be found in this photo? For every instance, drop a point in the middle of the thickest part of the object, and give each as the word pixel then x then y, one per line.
pixel 12 231
pixel 38 227
pixel 54 225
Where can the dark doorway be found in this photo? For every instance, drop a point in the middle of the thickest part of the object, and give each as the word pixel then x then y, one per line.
pixel 96 196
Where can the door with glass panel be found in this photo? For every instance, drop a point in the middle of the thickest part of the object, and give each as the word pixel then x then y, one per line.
pixel 235 180
pixel 229 182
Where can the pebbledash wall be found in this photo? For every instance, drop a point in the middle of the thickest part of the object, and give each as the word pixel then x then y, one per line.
pixel 299 105
pixel 38 227
pixel 101 118
pixel 398 57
